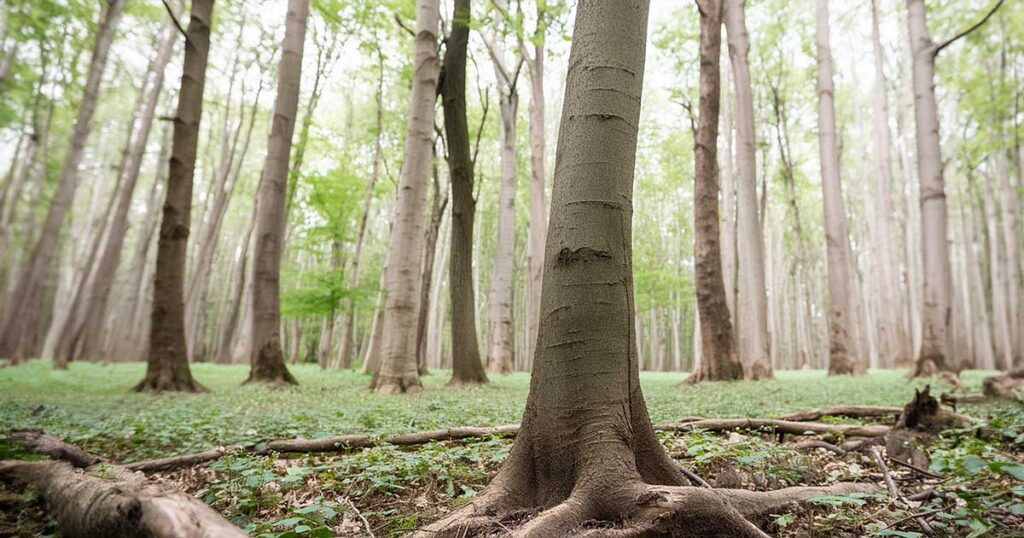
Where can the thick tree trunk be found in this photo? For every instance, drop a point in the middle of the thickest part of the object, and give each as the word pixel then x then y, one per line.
pixel 398 369
pixel 538 225
pixel 843 357
pixel 23 307
pixel 586 449
pixel 167 363
pixel 267 360
pixel 934 353
pixel 752 302
pixel 467 369
pixel 893 341
pixel 82 334
pixel 500 326
pixel 718 355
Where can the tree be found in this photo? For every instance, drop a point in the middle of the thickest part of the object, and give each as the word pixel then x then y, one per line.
pixel 894 343
pixel 937 296
pixel 466 366
pixel 752 302
pixel 718 359
pixel 500 325
pixel 398 371
pixel 585 449
pixel 267 359
pixel 167 361
pixel 25 305
pixel 843 357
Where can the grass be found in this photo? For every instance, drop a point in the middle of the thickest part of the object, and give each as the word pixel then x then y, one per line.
pixel 396 489
pixel 92 404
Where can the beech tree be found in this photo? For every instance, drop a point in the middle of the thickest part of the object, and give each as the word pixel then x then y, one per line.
pixel 718 359
pixel 267 360
pixel 585 449
pixel 467 369
pixel 752 302
pixel 25 306
pixel 167 360
pixel 843 357
pixel 398 371
pixel 937 297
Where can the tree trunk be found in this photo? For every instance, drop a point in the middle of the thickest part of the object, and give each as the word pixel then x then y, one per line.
pixel 1010 206
pixel 24 304
pixel 438 206
pixel 538 225
pixel 167 363
pixel 894 343
pixel 267 361
pixel 500 326
pixel 718 354
pixel 843 357
pixel 82 334
pixel 934 353
pixel 467 369
pixel 997 282
pixel 398 369
pixel 226 348
pixel 752 302
pixel 586 450
pixel 348 306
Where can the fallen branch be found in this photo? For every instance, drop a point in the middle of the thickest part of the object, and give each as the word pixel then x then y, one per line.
pixel 889 484
pixel 129 505
pixel 48 445
pixel 336 444
pixel 913 467
pixel 177 462
pixel 853 411
pixel 780 426
pixel 811 445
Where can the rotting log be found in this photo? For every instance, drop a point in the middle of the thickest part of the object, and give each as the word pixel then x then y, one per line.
pixel 125 506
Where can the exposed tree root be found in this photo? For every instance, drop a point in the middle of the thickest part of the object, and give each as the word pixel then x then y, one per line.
pixel 169 381
pixel 780 426
pixel 128 506
pixel 854 411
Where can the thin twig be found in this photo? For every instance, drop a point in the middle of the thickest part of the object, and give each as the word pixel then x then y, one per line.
pixel 369 530
pixel 979 24
pixel 889 484
pixel 911 466
pixel 692 476
pixel 174 18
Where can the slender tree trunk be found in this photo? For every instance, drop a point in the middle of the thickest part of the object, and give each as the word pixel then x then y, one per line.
pixel 438 206
pixel 83 332
pixel 500 325
pixel 538 225
pixel 752 302
pixel 894 344
pixel 934 354
pixel 718 354
pixel 998 283
pixel 467 369
pixel 982 332
pixel 1010 211
pixel 398 369
pixel 842 353
pixel 167 363
pixel 24 304
pixel 348 306
pixel 224 351
pixel 267 361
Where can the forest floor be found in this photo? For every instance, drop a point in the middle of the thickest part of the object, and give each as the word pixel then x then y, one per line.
pixel 387 490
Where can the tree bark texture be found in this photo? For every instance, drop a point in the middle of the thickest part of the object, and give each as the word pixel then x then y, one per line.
pixel 398 369
pixel 167 359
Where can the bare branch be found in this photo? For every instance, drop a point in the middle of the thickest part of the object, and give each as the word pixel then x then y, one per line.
pixel 174 19
pixel 938 47
pixel 402 25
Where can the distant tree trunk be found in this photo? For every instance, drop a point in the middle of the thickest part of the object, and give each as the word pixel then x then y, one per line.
pixel 226 347
pixel 894 343
pixel 981 332
pixel 718 355
pixel 538 225
pixel 167 364
pixel 348 306
pixel 1010 210
pixel 437 208
pixel 752 302
pixel 398 370
pixel 843 357
pixel 83 332
pixel 25 304
pixel 467 369
pixel 500 326
pixel 267 360
pixel 728 195
pixel 998 282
